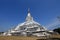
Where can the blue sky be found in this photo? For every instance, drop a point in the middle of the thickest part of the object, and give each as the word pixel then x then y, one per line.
pixel 13 12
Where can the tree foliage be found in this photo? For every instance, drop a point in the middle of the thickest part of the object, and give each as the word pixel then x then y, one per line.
pixel 57 30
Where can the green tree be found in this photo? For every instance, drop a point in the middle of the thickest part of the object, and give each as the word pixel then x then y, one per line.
pixel 57 30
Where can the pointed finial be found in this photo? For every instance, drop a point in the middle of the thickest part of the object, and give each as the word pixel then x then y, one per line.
pixel 29 17
pixel 28 10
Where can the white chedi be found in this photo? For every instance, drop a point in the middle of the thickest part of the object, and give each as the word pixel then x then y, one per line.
pixel 28 28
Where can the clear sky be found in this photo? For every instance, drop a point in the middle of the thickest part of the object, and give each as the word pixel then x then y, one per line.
pixel 13 12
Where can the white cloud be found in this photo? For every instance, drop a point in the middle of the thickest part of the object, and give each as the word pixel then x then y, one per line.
pixel 53 23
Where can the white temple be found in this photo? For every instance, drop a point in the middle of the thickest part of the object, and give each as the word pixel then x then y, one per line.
pixel 28 28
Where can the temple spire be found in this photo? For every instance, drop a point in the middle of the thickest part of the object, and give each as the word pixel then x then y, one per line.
pixel 29 17
pixel 28 10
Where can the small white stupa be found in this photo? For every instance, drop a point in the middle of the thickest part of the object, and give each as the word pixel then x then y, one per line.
pixel 28 28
